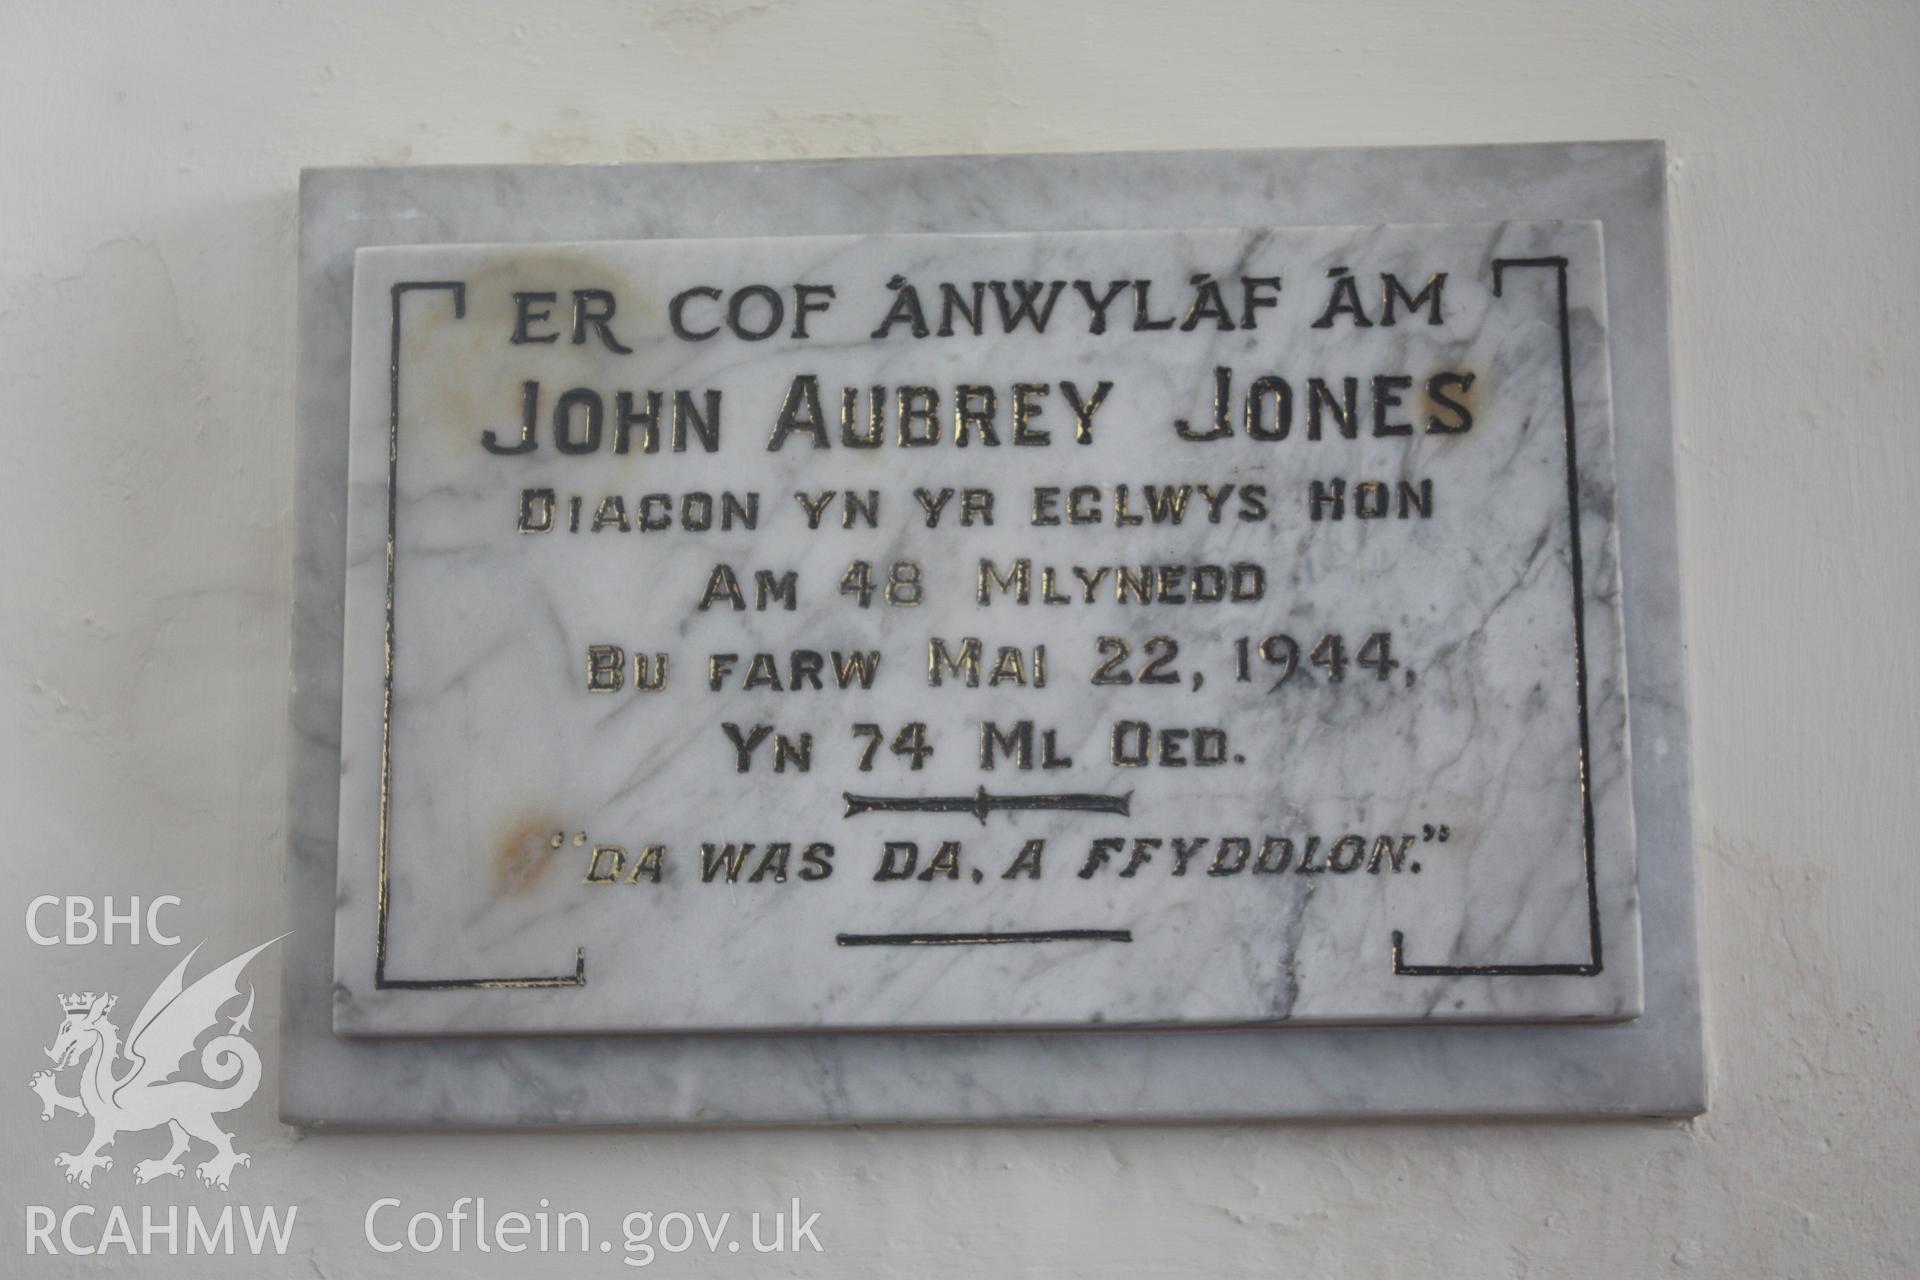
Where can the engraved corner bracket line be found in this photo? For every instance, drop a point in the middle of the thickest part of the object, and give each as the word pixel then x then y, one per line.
pixel 383 909
pixel 1591 967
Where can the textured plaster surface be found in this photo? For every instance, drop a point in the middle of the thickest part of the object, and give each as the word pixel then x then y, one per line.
pixel 146 338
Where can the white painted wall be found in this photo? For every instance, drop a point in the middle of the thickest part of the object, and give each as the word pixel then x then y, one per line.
pixel 147 227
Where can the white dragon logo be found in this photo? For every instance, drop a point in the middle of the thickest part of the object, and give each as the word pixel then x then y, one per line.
pixel 145 1095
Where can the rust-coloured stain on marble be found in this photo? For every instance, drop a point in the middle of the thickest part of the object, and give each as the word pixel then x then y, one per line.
pixel 525 851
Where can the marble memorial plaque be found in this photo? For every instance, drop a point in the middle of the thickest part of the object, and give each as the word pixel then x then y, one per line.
pixel 436 1002
pixel 1169 627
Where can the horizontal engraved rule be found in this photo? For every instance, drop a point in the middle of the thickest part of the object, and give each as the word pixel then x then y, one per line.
pixel 1206 627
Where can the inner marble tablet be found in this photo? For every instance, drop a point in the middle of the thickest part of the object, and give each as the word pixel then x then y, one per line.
pixel 1211 627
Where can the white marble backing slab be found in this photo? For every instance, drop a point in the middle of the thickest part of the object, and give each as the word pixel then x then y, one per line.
pixel 1359 754
pixel 1649 1064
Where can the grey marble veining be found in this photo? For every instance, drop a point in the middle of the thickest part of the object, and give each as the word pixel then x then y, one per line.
pixel 1649 1064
